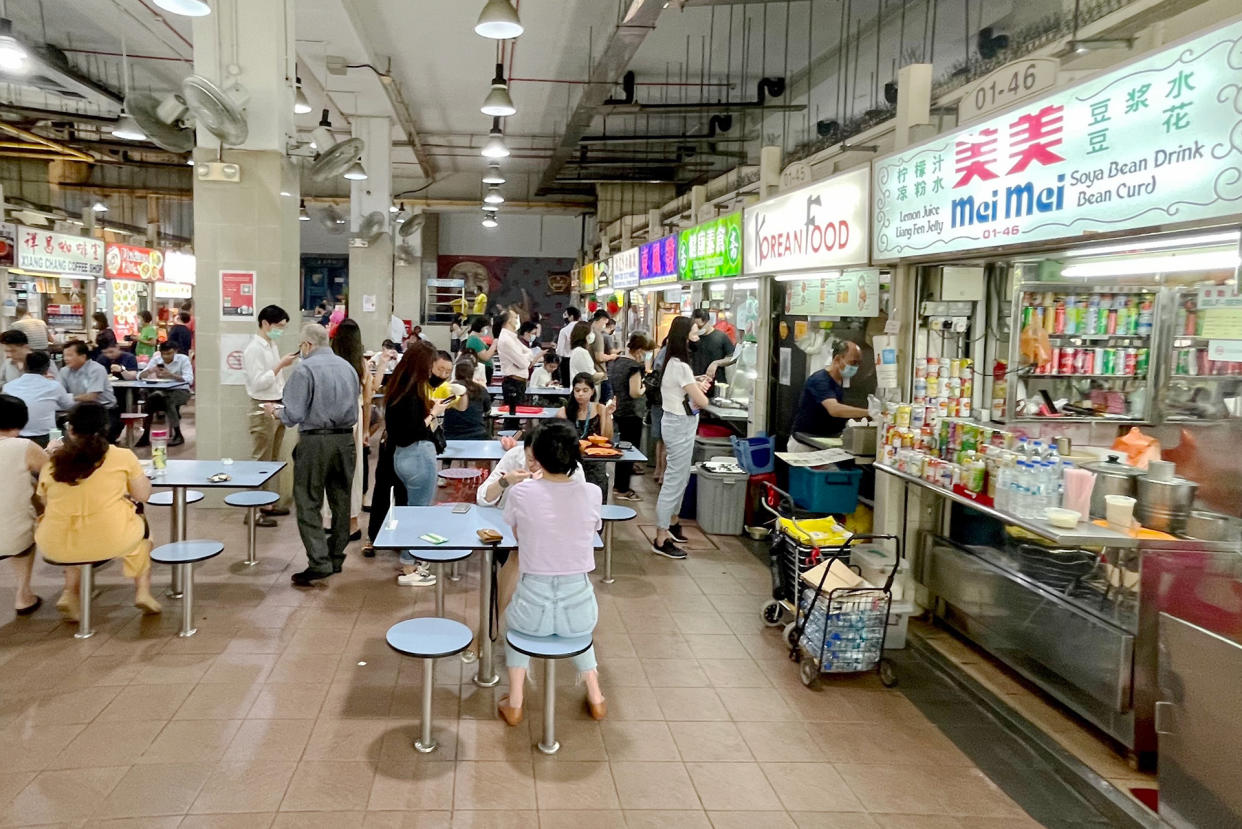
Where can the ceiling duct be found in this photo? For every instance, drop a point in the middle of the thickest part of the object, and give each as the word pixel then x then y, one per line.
pixel 716 124
pixel 49 71
pixel 774 87
pixel 628 86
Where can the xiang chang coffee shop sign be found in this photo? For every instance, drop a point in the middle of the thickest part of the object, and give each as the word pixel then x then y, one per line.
pixel 1156 142
pixel 820 226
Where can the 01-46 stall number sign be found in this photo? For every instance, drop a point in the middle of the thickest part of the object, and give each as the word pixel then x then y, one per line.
pixel 711 250
pixel 1155 142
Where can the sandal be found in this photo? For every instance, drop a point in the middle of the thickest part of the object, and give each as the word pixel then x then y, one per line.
pixel 512 716
pixel 30 608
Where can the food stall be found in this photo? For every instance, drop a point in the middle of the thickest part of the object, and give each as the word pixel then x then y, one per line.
pixel 131 273
pixel 1074 342
pixel 55 275
pixel 624 276
pixel 657 286
pixel 177 286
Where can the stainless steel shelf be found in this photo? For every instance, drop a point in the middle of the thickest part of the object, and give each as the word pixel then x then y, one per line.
pixel 1196 377
pixel 1084 535
pixel 1030 377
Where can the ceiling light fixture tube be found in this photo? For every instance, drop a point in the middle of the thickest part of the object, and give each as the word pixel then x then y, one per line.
pixel 498 103
pixel 1173 263
pixel 127 129
pixel 303 215
pixel 498 21
pixel 493 196
pixel 14 58
pixel 495 146
pixel 493 175
pixel 185 8
pixel 301 104
pixel 356 172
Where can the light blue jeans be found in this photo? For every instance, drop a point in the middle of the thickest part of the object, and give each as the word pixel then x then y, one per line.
pixel 553 605
pixel 679 431
pixel 416 466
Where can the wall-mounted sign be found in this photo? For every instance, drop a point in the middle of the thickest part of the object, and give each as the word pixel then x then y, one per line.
pixel 8 244
pixel 133 262
pixel 237 295
pixel 625 269
pixel 180 267
pixel 603 274
pixel 840 294
pixel 795 175
pixel 712 250
pixel 173 290
pixel 1007 86
pixel 657 261
pixel 60 253
pixel 821 226
pixel 1152 143
pixel 586 278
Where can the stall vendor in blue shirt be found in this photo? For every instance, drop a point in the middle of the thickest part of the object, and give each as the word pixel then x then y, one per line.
pixel 820 411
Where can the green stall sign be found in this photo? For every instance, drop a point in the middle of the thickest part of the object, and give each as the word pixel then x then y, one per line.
pixel 712 250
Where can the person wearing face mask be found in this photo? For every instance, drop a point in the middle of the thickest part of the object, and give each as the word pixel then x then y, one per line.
pixel 821 412
pixel 626 375
pixel 713 351
pixel 264 368
pixel 564 343
pixel 581 360
pixel 515 361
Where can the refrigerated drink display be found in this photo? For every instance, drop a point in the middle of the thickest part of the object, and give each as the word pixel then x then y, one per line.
pixel 1200 388
pixel 1098 356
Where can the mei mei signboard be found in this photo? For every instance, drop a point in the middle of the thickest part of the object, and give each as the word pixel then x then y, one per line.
pixel 712 250
pixel 657 261
pixel 47 252
pixel 1156 142
pixel 131 262
pixel 821 226
pixel 625 269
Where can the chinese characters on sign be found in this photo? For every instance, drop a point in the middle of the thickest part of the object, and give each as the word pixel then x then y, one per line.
pixel 237 295
pixel 47 252
pixel 586 278
pixel 711 250
pixel 848 294
pixel 625 269
pixel 1148 144
pixel 657 261
pixel 131 262
pixel 823 225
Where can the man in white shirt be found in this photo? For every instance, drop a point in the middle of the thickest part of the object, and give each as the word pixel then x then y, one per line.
pixel 34 328
pixel 515 360
pixel 168 364
pixel 265 383
pixel 563 349
pixel 42 395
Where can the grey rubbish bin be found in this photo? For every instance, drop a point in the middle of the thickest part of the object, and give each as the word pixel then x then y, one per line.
pixel 721 498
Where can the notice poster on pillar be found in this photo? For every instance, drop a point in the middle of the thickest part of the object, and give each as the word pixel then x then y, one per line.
pixel 237 296
pixel 231 348
pixel 1154 143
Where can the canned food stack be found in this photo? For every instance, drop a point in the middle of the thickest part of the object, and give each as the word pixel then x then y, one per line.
pixel 943 387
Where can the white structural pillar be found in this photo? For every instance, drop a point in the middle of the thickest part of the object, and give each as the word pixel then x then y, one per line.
pixel 371 260
pixel 249 224
pixel 769 172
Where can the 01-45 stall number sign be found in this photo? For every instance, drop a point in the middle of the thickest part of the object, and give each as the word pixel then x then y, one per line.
pixel 1156 142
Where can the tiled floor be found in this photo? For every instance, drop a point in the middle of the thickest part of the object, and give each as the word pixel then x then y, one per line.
pixel 288 710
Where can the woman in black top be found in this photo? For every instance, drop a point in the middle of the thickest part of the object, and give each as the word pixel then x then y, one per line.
pixel 589 418
pixel 625 374
pixel 469 423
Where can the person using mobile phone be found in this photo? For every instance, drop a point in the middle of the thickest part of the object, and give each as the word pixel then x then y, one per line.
pixel 265 369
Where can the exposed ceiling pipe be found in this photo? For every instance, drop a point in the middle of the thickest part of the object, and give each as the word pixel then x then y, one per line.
pixel 723 123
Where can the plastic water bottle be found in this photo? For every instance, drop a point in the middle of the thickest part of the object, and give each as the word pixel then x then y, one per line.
pixel 1024 449
pixel 1001 501
pixel 159 443
pixel 1037 450
pixel 1019 488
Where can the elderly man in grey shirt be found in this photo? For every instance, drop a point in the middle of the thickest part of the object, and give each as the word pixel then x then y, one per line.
pixel 88 382
pixel 321 399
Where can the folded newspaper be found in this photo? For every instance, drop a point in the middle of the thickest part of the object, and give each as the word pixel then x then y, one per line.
pixel 820 458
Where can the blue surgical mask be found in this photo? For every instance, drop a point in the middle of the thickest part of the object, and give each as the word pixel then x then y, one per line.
pixel 848 371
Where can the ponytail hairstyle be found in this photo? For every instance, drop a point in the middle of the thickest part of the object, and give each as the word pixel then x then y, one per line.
pixel 85 445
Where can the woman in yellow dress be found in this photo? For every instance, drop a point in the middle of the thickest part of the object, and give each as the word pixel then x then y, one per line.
pixel 91 491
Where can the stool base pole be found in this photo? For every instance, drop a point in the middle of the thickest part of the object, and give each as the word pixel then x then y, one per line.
pixel 549 745
pixel 187 599
pixel 250 539
pixel 608 579
pixel 440 589
pixel 86 587
pixel 177 526
pixel 455 571
pixel 485 675
pixel 425 744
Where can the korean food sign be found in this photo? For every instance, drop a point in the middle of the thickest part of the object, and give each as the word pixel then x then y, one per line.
pixel 47 252
pixel 711 250
pixel 1155 142
pixel 657 261
pixel 823 225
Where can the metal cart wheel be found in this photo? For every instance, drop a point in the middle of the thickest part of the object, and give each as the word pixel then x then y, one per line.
pixel 772 612
pixel 887 675
pixel 792 634
pixel 808 672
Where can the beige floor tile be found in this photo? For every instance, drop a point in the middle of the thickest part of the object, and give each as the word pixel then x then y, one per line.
pixel 715 646
pixel 80 706
pixel 26 748
pixel 66 795
pixel 259 741
pixel 486 785
pixel 654 786
pixel 289 700
pixel 174 669
pixel 334 739
pixel 633 703
pixel 108 743
pixel 491 819
pixel 888 743
pixel 638 741
pixel 166 789
pixel 661 646
pixel 811 787
pixel 781 742
pixel 169 822
pixel 247 786
pixel 347 700
pixel 916 822
pixel 493 740
pixel 895 789
pixel 756 705
pixel 716 742
pixel 329 786
pixel 401 785
pixel 734 673
pixel 145 702
pixel 674 673
pixel 324 819
pixel 750 820
pixel 12 782
pixel 304 667
pixel 570 785
pixel 190 741
pixel 666 819
pixel 236 667
pixel 577 819
pixel 618 672
pixel 218 701
pixel 256 820
pixel 688 704
pixel 730 786
pixel 834 820
pixel 698 622
pixel 408 820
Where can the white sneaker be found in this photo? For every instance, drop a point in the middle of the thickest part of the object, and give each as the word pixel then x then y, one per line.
pixel 419 578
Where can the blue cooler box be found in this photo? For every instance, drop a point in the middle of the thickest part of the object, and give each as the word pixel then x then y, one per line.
pixel 825 490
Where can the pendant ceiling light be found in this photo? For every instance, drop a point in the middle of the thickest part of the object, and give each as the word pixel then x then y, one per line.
pixel 99 206
pixel 301 104
pixel 489 221
pixel 186 8
pixel 127 128
pixel 303 215
pixel 321 136
pixel 493 196
pixel 356 172
pixel 14 58
pixel 498 21
pixel 498 103
pixel 493 175
pixel 495 146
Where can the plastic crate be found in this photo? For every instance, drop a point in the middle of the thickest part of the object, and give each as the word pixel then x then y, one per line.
pixel 755 455
pixel 825 490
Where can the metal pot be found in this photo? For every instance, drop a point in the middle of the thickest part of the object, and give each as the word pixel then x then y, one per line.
pixel 1164 505
pixel 1112 477
pixel 1213 526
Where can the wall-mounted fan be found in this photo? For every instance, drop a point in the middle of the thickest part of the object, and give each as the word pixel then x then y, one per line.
pixel 334 161
pixel 332 220
pixel 164 121
pixel 411 225
pixel 372 226
pixel 215 110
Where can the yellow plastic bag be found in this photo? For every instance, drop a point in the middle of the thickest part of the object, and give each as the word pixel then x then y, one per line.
pixel 860 521
pixel 815 532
